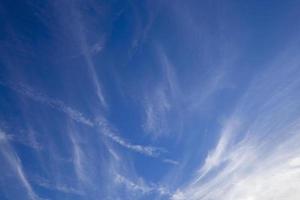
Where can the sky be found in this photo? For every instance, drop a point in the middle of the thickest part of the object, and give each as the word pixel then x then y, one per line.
pixel 149 100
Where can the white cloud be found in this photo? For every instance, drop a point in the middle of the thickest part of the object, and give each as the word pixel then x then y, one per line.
pixel 141 187
pixel 162 98
pixel 157 106
pixel 170 76
pixel 79 159
pixel 77 116
pixel 251 173
pixel 258 157
pixel 170 161
pixel 108 131
pixel 27 138
pixel 217 156
pixel 14 161
pixel 57 186
pixel 54 103
pixel 87 53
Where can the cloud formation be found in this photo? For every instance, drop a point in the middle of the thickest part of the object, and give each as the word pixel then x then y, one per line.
pixel 257 154
pixel 15 165
pixel 101 123
pixel 142 187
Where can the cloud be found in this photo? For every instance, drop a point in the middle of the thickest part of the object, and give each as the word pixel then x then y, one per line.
pixel 170 161
pixel 156 108
pixel 218 155
pixel 14 162
pixel 162 99
pixel 78 159
pixel 28 139
pixel 141 186
pixel 108 131
pixel 57 186
pixel 170 76
pixel 88 52
pixel 257 154
pixel 151 151
pixel 251 174
pixel 132 186
pixel 101 123
pixel 54 103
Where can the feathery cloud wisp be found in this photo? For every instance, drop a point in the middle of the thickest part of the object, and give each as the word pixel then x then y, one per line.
pixel 141 187
pixel 77 116
pixel 16 166
pixel 256 158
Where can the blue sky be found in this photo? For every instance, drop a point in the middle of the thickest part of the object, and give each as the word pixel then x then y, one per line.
pixel 154 99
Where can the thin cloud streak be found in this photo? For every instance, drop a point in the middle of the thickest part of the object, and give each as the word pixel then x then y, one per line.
pixel 141 187
pixel 53 103
pixel 57 187
pixel 14 161
pixel 78 159
pixel 170 161
pixel 159 102
pixel 104 127
pixel 216 157
pixel 156 108
pixel 146 150
pixel 88 57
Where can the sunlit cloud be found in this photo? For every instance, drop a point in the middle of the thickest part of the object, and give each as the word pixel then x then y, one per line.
pixel 256 156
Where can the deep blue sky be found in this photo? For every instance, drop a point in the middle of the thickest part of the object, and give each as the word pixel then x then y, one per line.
pixel 153 99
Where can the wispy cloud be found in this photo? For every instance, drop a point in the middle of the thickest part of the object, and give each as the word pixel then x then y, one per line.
pixel 57 186
pixel 108 131
pixel 88 52
pixel 156 107
pixel 141 186
pixel 27 138
pixel 54 103
pixel 101 123
pixel 252 173
pixel 14 161
pixel 170 161
pixel 78 159
pixel 257 154
pixel 169 73
pixel 162 99
pixel 218 155
pixel 151 151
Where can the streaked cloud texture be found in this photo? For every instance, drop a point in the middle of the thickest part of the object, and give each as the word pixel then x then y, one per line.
pixel 150 100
